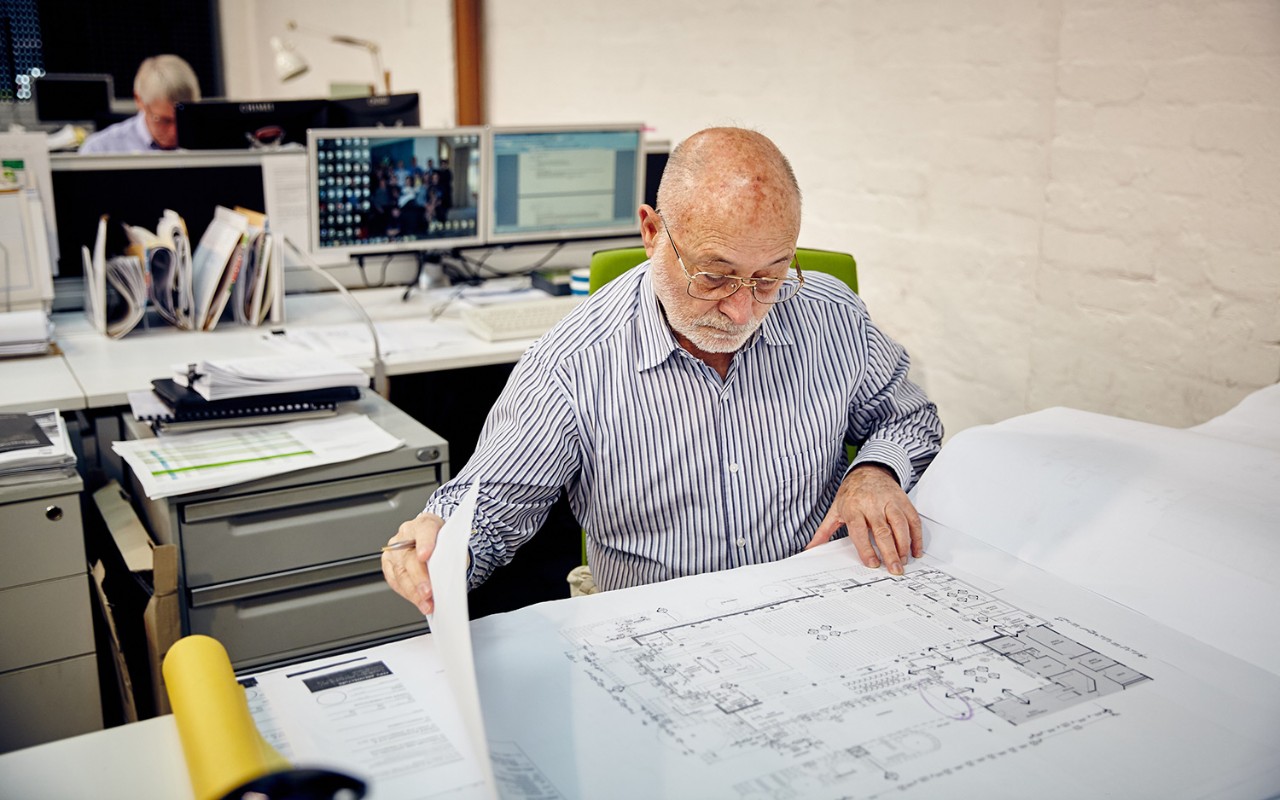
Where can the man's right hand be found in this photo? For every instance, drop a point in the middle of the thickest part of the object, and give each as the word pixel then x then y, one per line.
pixel 406 570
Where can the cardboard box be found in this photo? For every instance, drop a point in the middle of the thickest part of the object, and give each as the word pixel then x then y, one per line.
pixel 143 610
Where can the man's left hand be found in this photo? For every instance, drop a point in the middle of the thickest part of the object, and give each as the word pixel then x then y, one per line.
pixel 878 515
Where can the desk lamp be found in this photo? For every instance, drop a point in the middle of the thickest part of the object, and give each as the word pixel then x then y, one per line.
pixel 289 64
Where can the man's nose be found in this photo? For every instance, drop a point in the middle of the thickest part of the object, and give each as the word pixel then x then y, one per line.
pixel 738 306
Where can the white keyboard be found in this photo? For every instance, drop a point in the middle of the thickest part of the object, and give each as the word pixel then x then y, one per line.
pixel 522 319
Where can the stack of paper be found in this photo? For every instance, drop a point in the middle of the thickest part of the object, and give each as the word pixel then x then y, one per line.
pixel 171 408
pixel 195 462
pixel 247 377
pixel 34 447
pixel 25 333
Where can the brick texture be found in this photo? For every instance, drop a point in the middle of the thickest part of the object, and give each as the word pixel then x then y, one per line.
pixel 1052 203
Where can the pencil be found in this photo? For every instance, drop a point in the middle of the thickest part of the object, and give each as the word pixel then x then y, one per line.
pixel 403 544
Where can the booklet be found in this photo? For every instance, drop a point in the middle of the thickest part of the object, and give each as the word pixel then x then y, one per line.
pixel 167 256
pixel 258 292
pixel 216 264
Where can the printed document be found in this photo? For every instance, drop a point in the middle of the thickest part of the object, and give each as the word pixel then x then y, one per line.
pixel 193 462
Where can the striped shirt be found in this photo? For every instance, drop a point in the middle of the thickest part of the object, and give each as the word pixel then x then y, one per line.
pixel 671 470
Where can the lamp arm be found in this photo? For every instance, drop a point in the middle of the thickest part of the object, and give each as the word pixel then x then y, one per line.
pixel 374 50
pixel 339 38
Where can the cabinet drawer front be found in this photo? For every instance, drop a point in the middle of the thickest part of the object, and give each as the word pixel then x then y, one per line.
pixel 244 537
pixel 41 539
pixel 49 702
pixel 46 621
pixel 306 620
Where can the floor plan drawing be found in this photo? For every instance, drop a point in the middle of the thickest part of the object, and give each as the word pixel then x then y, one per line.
pixel 919 664
pixel 815 677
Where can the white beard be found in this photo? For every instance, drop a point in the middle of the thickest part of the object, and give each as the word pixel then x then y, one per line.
pixel 712 332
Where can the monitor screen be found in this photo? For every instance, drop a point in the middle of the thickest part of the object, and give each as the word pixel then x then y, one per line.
pixel 72 97
pixel 234 125
pixel 565 182
pixel 389 110
pixel 389 189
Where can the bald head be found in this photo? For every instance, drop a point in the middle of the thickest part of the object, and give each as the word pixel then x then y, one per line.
pixel 729 170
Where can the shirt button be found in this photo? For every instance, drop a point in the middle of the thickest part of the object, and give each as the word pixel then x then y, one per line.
pixel 733 467
pixel 742 543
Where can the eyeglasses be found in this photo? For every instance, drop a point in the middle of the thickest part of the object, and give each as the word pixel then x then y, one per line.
pixel 163 120
pixel 715 286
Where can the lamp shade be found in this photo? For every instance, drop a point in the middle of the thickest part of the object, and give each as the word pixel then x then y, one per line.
pixel 289 64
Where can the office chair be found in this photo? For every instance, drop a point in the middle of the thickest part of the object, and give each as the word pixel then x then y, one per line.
pixel 609 264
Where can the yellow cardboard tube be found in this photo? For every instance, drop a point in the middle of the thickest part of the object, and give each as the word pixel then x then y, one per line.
pixel 221 744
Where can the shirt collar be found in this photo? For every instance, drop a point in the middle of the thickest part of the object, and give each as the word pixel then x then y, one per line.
pixel 656 341
pixel 144 134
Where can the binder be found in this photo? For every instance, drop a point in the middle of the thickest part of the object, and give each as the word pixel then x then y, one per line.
pixel 187 406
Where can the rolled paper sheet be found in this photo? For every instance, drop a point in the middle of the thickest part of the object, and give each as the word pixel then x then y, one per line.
pixel 222 746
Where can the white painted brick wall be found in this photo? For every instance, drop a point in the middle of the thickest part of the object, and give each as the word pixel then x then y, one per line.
pixel 1052 203
pixel 1062 202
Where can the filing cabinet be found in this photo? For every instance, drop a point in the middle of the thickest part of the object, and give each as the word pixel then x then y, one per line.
pixel 48 666
pixel 289 567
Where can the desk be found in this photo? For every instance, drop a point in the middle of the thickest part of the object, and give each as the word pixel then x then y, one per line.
pixel 131 762
pixel 108 369
pixel 33 384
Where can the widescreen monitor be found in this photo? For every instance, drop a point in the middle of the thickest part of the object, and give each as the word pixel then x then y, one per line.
pixel 72 97
pixel 235 125
pixel 569 182
pixel 379 110
pixel 393 189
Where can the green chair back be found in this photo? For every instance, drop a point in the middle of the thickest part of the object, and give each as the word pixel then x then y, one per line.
pixel 609 264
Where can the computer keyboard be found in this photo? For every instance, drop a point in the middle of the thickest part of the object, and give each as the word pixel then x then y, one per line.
pixel 522 319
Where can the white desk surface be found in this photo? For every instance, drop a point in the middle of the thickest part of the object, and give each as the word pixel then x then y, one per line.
pixel 33 384
pixel 142 761
pixel 108 369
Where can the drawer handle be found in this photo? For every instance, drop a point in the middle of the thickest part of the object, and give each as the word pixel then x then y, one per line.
pixel 53 513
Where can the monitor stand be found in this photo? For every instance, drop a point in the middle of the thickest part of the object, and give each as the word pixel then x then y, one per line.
pixel 430 273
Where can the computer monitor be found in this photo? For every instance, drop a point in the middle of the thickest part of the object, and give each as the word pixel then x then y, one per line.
pixel 235 125
pixel 570 182
pixel 380 110
pixel 392 189
pixel 73 97
pixel 137 188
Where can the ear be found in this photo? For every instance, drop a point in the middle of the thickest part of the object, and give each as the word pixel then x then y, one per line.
pixel 650 227
pixel 137 101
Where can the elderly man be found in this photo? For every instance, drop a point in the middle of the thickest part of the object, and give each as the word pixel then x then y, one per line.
pixel 696 408
pixel 160 83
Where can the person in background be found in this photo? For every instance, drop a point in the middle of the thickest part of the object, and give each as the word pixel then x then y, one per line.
pixel 697 408
pixel 160 83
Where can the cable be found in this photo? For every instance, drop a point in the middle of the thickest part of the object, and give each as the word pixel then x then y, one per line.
pixel 380 384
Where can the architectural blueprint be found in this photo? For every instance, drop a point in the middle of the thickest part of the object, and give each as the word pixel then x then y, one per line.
pixel 816 677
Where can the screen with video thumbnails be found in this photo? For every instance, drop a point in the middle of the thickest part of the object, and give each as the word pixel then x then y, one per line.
pixel 393 189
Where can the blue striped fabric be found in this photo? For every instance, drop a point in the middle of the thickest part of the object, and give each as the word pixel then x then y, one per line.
pixel 671 470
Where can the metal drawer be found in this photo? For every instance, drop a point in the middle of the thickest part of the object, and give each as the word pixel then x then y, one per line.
pixel 314 610
pixel 251 535
pixel 50 702
pixel 42 539
pixel 46 621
